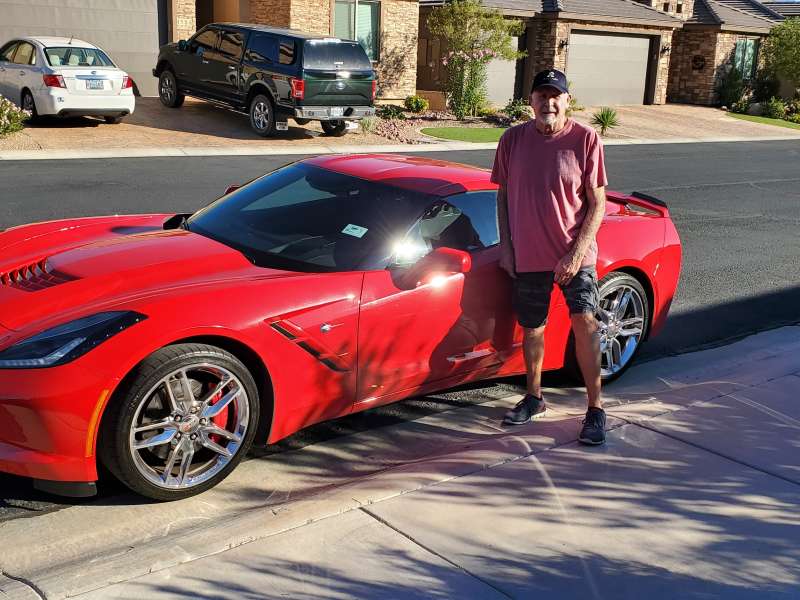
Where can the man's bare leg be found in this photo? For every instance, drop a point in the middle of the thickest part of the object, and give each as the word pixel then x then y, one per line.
pixel 533 351
pixel 587 350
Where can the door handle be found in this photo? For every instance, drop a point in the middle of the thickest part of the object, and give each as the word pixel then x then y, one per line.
pixel 326 327
pixel 205 62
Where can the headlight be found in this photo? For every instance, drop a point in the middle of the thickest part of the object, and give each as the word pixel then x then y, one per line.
pixel 67 342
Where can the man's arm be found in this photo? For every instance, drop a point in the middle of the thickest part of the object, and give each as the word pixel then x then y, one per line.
pixel 506 246
pixel 571 263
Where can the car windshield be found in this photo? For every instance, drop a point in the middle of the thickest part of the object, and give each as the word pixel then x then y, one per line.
pixel 335 54
pixel 75 56
pixel 306 218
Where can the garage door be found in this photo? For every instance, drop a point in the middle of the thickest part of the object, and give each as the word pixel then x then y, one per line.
pixel 127 29
pixel 500 78
pixel 608 69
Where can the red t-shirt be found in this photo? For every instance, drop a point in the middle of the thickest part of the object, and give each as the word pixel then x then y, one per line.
pixel 546 177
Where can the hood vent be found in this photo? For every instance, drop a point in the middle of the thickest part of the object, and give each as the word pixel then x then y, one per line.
pixel 33 277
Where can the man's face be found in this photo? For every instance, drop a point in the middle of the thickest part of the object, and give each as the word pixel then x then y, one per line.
pixel 549 104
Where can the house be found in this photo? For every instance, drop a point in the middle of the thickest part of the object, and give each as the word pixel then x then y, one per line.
pixel 622 51
pixel 132 30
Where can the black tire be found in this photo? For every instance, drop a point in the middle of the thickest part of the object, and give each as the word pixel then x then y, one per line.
pixel 302 122
pixel 262 115
pixel 138 392
pixel 113 120
pixel 168 91
pixel 334 128
pixel 28 103
pixel 608 286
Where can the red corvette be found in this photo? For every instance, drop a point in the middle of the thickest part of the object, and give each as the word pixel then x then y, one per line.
pixel 162 346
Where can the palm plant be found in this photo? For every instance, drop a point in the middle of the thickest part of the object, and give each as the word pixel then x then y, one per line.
pixel 605 118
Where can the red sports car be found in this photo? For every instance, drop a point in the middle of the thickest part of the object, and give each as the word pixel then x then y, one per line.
pixel 163 345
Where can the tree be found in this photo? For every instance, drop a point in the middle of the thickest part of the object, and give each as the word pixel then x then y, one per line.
pixel 782 50
pixel 474 36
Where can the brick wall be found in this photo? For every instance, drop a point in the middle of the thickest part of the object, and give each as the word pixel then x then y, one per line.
pixel 546 35
pixel 397 67
pixel 312 16
pixel 271 12
pixel 183 20
pixel 672 7
pixel 690 82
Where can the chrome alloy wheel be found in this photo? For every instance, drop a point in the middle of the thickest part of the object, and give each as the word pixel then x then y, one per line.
pixel 167 90
pixel 621 317
pixel 189 425
pixel 261 114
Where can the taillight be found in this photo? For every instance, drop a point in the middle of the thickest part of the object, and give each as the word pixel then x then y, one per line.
pixel 298 88
pixel 374 88
pixel 54 81
pixel 127 83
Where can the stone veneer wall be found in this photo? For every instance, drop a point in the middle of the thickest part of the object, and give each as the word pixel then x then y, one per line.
pixel 699 86
pixel 312 16
pixel 183 20
pixel 271 12
pixel 545 35
pixel 687 7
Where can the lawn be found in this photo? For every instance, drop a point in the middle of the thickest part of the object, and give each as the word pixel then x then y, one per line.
pixel 766 121
pixel 466 134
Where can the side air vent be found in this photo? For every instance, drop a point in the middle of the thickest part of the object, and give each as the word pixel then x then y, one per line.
pixel 33 277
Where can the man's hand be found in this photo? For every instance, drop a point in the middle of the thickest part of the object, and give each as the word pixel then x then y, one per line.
pixel 507 260
pixel 567 268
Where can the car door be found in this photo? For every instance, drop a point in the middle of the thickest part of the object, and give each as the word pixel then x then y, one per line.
pixel 6 67
pixel 192 64
pixel 224 65
pixel 411 335
pixel 25 73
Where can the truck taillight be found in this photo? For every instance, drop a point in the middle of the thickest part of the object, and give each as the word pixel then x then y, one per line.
pixel 54 81
pixel 127 83
pixel 298 88
pixel 374 88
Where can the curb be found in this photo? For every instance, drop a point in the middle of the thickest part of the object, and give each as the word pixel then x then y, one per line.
pixel 18 155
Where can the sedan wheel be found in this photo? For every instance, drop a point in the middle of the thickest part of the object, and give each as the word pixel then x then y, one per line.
pixel 184 422
pixel 623 318
pixel 28 104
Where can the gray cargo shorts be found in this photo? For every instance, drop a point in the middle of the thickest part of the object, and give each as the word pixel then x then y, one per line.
pixel 531 295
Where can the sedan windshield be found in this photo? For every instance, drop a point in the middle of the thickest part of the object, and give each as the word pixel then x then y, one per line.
pixel 74 56
pixel 306 218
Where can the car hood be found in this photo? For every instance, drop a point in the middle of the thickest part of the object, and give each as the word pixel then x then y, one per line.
pixel 105 273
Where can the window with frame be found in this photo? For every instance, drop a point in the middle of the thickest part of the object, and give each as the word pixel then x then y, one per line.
pixel 25 54
pixel 231 44
pixel 359 20
pixel 205 41
pixel 286 55
pixel 262 47
pixel 7 53
pixel 744 58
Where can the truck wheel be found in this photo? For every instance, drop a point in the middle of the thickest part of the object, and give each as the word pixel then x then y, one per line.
pixel 335 128
pixel 168 90
pixel 262 115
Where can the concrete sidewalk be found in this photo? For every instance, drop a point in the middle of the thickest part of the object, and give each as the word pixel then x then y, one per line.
pixel 695 495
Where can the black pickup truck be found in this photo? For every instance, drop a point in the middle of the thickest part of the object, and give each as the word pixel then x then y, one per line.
pixel 272 74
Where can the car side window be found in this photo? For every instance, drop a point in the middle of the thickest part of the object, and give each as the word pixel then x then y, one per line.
pixel 7 53
pixel 262 47
pixel 205 41
pixel 25 54
pixel 481 209
pixel 286 52
pixel 231 44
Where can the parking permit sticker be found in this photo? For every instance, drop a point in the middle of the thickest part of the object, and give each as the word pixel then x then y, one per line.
pixel 355 230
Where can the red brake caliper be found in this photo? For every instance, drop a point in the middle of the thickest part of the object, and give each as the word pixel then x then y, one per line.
pixel 221 420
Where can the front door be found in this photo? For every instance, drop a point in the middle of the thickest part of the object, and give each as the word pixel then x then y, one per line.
pixel 193 65
pixel 6 67
pixel 223 65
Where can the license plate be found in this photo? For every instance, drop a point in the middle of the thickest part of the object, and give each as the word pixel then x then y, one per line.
pixel 94 84
pixel 337 111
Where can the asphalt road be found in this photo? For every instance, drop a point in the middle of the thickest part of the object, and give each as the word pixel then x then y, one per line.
pixel 736 207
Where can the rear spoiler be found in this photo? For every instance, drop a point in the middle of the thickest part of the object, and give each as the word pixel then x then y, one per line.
pixel 650 203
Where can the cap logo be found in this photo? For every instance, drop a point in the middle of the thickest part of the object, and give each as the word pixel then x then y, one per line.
pixel 551 75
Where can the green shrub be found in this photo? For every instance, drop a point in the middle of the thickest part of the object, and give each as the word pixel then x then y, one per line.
pixel 765 86
pixel 795 118
pixel 574 105
pixel 741 106
pixel 792 108
pixel 416 104
pixel 775 108
pixel 367 124
pixel 11 117
pixel 731 88
pixel 605 118
pixel 517 109
pixel 390 111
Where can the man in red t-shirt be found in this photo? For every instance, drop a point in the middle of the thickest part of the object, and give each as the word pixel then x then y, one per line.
pixel 550 205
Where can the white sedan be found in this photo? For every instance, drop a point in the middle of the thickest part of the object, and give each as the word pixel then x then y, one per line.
pixel 64 77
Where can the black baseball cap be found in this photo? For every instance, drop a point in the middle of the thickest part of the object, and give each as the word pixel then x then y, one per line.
pixel 553 78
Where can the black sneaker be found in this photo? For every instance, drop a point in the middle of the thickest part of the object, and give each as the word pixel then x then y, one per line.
pixel 594 427
pixel 527 409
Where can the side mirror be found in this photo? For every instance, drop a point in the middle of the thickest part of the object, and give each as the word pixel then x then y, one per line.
pixel 183 45
pixel 434 268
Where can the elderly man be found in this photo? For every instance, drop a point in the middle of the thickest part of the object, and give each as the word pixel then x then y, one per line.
pixel 550 204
